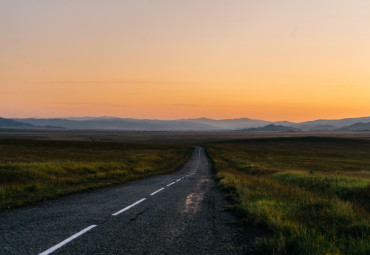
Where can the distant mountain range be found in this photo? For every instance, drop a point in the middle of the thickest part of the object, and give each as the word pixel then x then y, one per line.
pixel 10 123
pixel 6 123
pixel 272 128
pixel 360 126
pixel 200 124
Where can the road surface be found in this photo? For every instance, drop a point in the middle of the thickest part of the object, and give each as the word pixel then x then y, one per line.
pixel 177 213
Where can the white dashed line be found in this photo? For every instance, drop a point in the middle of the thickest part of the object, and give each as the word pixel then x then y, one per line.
pixel 128 207
pixel 172 183
pixel 69 239
pixel 55 247
pixel 155 192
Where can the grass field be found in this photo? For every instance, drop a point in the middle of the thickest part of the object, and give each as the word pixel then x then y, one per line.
pixel 36 170
pixel 313 194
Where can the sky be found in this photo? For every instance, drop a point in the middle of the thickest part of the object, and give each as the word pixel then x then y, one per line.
pixel 293 60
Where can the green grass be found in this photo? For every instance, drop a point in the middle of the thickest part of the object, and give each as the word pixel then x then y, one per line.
pixel 311 193
pixel 32 171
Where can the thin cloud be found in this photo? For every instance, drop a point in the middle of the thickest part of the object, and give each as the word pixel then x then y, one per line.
pixel 92 104
pixel 114 82
pixel 185 105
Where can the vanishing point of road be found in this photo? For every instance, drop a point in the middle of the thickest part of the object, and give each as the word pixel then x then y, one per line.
pixel 177 213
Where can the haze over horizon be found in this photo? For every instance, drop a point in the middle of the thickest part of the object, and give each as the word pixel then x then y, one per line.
pixel 268 60
pixel 113 117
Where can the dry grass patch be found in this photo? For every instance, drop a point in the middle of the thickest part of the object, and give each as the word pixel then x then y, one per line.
pixel 32 171
pixel 306 191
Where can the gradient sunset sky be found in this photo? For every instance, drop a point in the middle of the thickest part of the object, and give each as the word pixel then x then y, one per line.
pixel 291 60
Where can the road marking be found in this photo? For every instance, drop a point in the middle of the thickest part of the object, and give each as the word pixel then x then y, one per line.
pixel 172 183
pixel 71 238
pixel 55 247
pixel 128 207
pixel 155 192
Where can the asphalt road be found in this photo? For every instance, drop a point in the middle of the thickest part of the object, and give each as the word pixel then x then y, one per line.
pixel 178 213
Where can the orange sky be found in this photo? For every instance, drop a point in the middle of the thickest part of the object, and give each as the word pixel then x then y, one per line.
pixel 273 60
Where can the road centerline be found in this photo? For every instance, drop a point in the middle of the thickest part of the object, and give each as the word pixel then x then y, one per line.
pixel 172 183
pixel 155 192
pixel 69 239
pixel 128 207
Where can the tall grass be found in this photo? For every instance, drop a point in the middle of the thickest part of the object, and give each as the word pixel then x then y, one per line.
pixel 316 208
pixel 32 171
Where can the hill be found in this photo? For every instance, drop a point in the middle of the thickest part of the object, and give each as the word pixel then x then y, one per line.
pixel 360 126
pixel 121 124
pixel 272 128
pixel 9 123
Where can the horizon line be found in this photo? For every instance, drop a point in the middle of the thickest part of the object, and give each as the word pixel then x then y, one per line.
pixel 194 118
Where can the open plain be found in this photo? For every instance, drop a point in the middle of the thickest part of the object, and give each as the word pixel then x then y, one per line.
pixel 284 193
